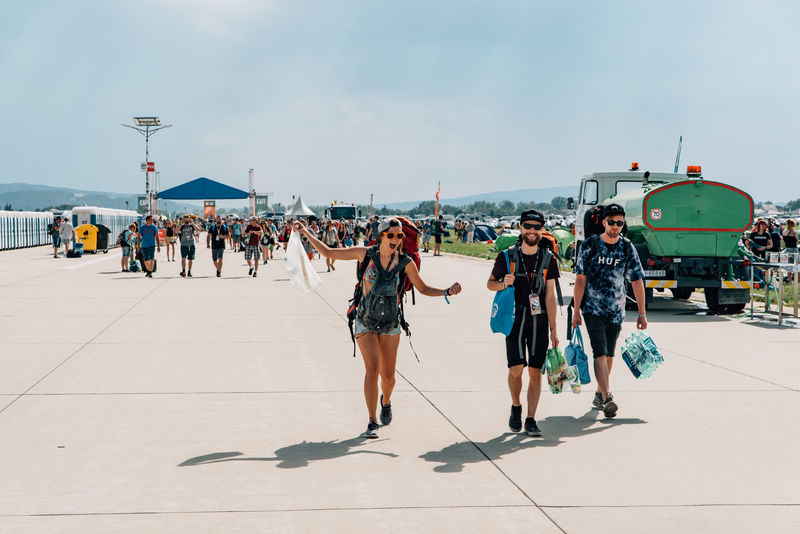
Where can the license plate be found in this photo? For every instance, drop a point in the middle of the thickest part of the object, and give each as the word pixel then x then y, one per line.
pixel 655 274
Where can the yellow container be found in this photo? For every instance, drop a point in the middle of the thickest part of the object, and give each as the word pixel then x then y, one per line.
pixel 87 234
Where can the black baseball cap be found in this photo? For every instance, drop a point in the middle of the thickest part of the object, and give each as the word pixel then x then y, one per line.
pixel 614 209
pixel 531 215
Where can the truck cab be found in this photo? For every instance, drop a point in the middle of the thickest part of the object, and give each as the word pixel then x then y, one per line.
pixel 599 187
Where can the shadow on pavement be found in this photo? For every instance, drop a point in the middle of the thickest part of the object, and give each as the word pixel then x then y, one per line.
pixel 293 456
pixel 454 457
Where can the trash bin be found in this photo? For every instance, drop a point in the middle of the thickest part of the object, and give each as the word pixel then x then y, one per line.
pixel 87 235
pixel 103 233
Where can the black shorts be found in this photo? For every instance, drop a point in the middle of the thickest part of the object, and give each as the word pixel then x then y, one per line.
pixel 438 239
pixel 520 342
pixel 602 335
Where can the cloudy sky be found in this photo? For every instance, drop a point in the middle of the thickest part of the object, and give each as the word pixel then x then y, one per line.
pixel 337 100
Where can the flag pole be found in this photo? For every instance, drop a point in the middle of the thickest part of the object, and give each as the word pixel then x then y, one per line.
pixel 436 209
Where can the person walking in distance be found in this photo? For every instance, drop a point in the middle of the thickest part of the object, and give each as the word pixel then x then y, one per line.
pixel 533 273
pixel 252 247
pixel 331 240
pixel 218 233
pixel 149 237
pixel 186 234
pixel 438 231
pixel 604 264
pixel 378 334
pixel 55 233
pixel 171 238
pixel 66 233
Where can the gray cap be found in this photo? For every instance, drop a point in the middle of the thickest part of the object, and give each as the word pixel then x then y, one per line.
pixel 384 225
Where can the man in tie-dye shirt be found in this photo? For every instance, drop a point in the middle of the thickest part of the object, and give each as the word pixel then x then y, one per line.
pixel 604 264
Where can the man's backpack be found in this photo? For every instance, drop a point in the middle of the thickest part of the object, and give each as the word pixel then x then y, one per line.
pixel 549 241
pixel 593 221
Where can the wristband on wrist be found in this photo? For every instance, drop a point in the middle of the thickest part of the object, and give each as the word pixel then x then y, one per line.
pixel 642 315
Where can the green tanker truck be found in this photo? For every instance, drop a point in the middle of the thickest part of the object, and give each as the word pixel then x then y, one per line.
pixel 685 229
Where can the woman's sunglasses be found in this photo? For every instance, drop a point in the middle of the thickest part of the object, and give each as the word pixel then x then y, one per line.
pixel 391 235
pixel 535 226
pixel 616 223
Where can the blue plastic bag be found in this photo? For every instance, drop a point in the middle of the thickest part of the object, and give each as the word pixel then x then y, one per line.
pixel 576 355
pixel 504 308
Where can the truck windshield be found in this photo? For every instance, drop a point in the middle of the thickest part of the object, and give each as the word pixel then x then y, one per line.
pixel 342 212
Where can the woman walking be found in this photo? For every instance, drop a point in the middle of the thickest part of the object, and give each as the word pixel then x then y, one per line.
pixel 331 240
pixel 377 325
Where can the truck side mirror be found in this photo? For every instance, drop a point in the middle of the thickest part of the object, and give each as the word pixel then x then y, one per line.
pixel 570 203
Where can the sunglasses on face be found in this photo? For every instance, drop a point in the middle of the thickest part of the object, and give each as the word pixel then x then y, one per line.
pixel 391 235
pixel 616 223
pixel 535 226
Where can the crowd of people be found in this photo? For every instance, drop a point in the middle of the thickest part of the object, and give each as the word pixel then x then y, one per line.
pixel 768 235
pixel 385 269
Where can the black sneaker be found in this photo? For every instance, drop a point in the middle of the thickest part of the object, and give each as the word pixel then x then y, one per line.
pixel 531 428
pixel 219 273
pixel 515 420
pixel 189 274
pixel 149 275
pixel 183 273
pixel 386 412
pixel 250 273
pixel 372 430
pixel 597 402
pixel 610 407
pixel 255 274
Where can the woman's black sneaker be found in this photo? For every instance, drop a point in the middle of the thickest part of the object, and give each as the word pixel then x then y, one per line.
pixel 515 420
pixel 372 430
pixel 386 412
pixel 531 428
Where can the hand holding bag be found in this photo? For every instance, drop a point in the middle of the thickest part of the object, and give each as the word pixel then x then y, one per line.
pixel 504 307
pixel 576 355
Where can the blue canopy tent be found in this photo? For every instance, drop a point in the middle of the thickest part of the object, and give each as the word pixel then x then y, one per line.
pixel 202 189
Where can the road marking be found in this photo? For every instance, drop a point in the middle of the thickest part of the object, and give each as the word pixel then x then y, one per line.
pixel 90 262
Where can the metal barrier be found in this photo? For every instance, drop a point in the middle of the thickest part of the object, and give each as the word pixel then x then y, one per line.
pixel 790 268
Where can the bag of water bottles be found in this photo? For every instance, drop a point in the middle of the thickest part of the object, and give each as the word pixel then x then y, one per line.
pixel 641 355
pixel 559 372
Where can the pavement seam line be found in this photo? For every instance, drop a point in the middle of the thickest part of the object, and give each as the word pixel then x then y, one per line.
pixel 788 388
pixel 481 451
pixel 65 360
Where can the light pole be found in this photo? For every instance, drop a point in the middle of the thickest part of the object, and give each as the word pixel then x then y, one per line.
pixel 151 125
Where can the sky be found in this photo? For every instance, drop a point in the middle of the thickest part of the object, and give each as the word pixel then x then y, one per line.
pixel 337 100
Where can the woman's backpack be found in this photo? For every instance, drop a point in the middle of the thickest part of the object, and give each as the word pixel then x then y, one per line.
pixel 380 310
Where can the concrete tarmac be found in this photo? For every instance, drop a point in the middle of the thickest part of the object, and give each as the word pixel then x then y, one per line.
pixel 235 405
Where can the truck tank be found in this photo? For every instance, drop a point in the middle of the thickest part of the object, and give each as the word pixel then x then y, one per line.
pixel 698 218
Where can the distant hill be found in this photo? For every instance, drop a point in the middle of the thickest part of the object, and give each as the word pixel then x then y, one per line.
pixel 519 195
pixel 30 197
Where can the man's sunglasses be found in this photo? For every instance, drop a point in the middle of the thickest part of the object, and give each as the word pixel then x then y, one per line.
pixel 400 235
pixel 535 226
pixel 616 223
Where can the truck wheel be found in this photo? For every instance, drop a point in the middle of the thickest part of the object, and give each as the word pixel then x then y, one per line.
pixel 712 299
pixel 682 293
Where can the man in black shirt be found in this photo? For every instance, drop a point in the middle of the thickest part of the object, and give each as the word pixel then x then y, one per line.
pixel 760 240
pixel 215 240
pixel 533 276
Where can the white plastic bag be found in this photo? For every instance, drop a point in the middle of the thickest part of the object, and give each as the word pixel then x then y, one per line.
pixel 300 270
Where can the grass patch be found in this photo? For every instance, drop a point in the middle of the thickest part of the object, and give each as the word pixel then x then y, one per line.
pixel 476 250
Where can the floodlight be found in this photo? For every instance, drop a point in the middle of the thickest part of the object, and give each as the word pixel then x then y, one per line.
pixel 147 121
